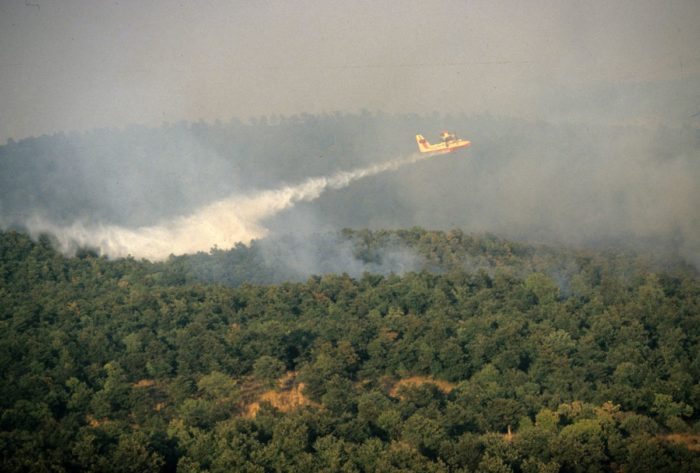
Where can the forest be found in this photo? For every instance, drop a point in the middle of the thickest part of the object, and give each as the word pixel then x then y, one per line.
pixel 224 247
pixel 483 354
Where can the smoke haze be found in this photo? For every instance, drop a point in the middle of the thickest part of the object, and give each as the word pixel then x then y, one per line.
pixel 78 65
pixel 165 121
pixel 296 257
pixel 223 223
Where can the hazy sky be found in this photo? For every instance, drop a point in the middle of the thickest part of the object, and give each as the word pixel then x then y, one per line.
pixel 74 65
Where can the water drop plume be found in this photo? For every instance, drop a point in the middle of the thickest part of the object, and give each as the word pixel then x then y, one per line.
pixel 235 219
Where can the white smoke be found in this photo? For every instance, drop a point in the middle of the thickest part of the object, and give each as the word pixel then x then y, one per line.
pixel 236 219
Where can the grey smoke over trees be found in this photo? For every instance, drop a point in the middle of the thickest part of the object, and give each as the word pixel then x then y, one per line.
pixel 528 180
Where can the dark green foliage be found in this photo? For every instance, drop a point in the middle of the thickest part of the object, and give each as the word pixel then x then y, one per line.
pixel 126 365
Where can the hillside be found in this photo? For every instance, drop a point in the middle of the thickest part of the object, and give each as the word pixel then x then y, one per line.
pixel 488 355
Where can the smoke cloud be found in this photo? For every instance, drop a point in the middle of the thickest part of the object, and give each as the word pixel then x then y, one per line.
pixel 585 119
pixel 223 223
pixel 295 257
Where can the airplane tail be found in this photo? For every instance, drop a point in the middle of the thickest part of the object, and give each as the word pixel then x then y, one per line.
pixel 423 144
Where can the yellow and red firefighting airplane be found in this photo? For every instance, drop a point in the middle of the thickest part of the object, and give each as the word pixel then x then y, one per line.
pixel 449 143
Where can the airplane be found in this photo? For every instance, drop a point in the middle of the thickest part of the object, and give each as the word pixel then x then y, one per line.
pixel 449 143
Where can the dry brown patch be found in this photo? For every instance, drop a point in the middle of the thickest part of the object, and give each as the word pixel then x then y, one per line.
pixel 692 442
pixel 287 381
pixel 73 307
pixel 92 422
pixel 508 436
pixel 387 335
pixel 415 381
pixel 286 397
pixel 144 383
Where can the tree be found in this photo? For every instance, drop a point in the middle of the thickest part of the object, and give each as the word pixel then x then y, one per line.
pixel 666 408
pixel 424 434
pixel 113 399
pixel 580 446
pixel 268 369
pixel 131 455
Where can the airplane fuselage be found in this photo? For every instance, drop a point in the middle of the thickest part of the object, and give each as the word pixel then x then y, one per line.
pixel 447 146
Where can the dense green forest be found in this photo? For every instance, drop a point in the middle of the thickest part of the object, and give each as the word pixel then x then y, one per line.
pixel 486 355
